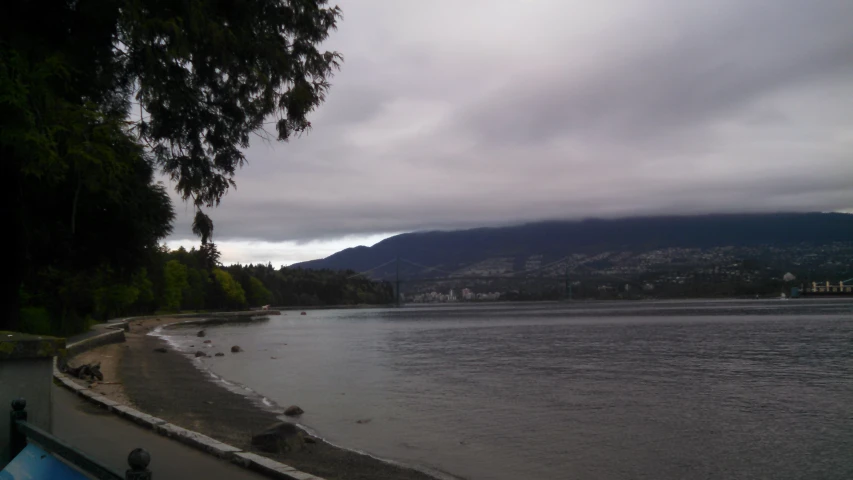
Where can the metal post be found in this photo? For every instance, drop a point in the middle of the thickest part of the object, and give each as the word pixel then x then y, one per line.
pixel 17 439
pixel 138 459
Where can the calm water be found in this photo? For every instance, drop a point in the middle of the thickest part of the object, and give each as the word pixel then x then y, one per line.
pixel 666 390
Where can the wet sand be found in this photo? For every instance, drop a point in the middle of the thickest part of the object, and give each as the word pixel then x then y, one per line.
pixel 169 386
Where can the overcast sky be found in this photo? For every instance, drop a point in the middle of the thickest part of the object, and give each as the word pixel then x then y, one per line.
pixel 453 114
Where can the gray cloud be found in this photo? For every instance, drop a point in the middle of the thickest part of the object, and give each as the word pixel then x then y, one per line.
pixel 716 65
pixel 452 115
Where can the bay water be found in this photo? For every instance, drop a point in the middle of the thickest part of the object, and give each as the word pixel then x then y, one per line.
pixel 618 390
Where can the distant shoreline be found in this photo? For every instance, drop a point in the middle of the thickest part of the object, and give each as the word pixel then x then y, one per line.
pixel 567 302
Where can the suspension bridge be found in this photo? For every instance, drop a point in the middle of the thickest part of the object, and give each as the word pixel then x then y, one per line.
pixel 560 270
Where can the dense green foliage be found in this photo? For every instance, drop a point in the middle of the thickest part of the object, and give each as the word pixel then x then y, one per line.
pixel 186 281
pixel 215 287
pixel 95 96
pixel 174 284
pixel 297 287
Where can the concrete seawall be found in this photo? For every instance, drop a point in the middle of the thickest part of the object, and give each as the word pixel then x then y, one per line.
pixel 105 338
pixel 113 332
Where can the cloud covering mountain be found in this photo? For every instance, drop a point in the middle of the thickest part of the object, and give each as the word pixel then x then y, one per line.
pixel 452 114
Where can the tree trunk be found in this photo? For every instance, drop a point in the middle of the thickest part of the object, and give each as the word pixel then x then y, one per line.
pixel 74 204
pixel 11 299
pixel 14 218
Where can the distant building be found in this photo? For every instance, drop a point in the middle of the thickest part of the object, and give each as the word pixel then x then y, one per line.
pixel 829 288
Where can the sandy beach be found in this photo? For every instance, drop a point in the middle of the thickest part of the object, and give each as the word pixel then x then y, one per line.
pixel 169 386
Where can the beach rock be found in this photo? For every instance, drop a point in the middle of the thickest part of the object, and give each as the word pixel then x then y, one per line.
pixel 219 354
pixel 363 421
pixel 236 348
pixel 208 341
pixel 303 313
pixel 293 411
pixel 279 438
pixel 200 354
pixel 201 333
pixel 95 371
pixel 90 371
pixel 161 349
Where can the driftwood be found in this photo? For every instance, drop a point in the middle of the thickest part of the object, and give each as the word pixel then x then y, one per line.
pixel 88 371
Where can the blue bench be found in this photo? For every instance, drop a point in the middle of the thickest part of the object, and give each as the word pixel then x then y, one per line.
pixel 38 454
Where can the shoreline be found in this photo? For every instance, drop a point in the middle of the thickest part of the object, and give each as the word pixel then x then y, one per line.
pixel 173 387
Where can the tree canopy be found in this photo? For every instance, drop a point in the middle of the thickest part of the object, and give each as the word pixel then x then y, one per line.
pixel 97 95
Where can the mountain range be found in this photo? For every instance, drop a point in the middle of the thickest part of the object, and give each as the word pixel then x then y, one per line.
pixel 503 250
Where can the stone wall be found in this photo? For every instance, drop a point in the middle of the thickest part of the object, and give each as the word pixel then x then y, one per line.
pixel 109 336
pixel 26 371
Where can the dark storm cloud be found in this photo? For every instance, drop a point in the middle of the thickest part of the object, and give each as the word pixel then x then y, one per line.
pixel 448 115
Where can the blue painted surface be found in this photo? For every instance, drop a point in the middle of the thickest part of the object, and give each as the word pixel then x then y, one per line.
pixel 33 463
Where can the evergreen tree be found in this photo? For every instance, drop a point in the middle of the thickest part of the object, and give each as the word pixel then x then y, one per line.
pixel 85 85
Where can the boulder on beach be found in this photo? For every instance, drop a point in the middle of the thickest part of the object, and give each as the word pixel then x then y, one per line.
pixel 208 341
pixel 236 348
pixel 279 438
pixel 293 411
pixel 303 313
pixel 161 349
pixel 219 354
pixel 200 354
pixel 201 333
